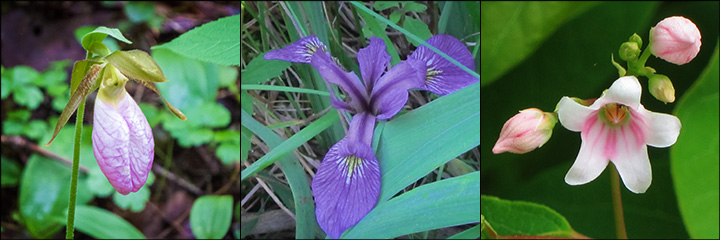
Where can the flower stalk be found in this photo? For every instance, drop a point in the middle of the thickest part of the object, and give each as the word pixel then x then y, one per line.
pixel 617 204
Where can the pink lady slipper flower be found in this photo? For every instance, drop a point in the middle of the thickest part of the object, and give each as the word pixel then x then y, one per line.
pixel 617 128
pixel 675 39
pixel 526 131
pixel 347 183
pixel 123 143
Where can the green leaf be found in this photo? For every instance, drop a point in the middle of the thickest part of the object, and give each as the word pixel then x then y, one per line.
pixel 191 82
pixel 450 126
pixel 210 216
pixel 245 145
pixel 694 157
pixel 23 75
pixel 139 11
pixel 524 218
pixel 511 31
pixel 418 28
pixel 44 191
pixel 35 129
pixel 378 29
pixel 134 201
pixel 227 152
pixel 382 5
pixel 10 172
pixel 28 96
pixel 260 70
pixel 471 233
pixel 99 34
pixel 445 203
pixel 215 42
pixel 414 7
pixel 101 223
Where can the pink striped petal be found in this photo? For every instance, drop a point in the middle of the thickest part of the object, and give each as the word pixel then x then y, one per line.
pixel 123 143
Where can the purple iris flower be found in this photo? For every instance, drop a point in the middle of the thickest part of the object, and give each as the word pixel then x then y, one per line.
pixel 347 183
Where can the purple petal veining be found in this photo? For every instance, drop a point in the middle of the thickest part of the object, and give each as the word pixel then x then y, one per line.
pixel 123 143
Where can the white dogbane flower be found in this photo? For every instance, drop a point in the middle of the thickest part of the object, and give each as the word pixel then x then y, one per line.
pixel 617 128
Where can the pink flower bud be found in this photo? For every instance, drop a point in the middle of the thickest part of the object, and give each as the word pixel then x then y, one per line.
pixel 675 39
pixel 122 141
pixel 525 131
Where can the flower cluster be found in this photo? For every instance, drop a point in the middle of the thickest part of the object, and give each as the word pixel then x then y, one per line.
pixel 347 183
pixel 615 127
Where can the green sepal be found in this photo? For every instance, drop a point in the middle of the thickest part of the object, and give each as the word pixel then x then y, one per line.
pixel 99 34
pixel 621 70
pixel 172 108
pixel 88 84
pixel 137 65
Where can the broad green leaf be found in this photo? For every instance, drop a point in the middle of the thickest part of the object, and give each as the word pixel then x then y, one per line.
pixel 382 5
pixel 10 172
pixel 139 11
pixel 694 157
pixel 44 188
pixel 216 42
pixel 210 216
pixel 524 218
pixel 228 152
pixel 451 126
pixel 445 203
pixel 99 34
pixel 511 31
pixel 414 7
pixel 101 223
pixel 135 202
pixel 260 70
pixel 288 145
pixel 305 224
pixel 28 96
pixel 191 82
pixel 137 65
pixel 417 27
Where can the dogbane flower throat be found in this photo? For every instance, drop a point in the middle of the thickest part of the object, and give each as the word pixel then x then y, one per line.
pixel 347 183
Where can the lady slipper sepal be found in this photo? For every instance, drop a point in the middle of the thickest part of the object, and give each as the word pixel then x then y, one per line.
pixel 676 40
pixel 122 138
pixel 617 128
pixel 527 130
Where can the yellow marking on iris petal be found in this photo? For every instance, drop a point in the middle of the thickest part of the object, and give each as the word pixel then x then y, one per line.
pixel 351 162
pixel 431 73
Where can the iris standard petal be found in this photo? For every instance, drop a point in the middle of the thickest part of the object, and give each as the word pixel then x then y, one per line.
pixel 300 51
pixel 591 159
pixel 664 129
pixel 390 94
pixel 373 61
pixel 444 77
pixel 346 186
pixel 123 143
pixel 348 81
pixel 572 115
pixel 625 90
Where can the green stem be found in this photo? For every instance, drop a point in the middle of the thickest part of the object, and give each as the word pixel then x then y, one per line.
pixel 74 177
pixel 617 204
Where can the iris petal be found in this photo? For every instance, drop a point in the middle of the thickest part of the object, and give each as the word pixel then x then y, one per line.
pixel 373 61
pixel 123 143
pixel 346 186
pixel 301 51
pixel 391 92
pixel 444 77
pixel 348 81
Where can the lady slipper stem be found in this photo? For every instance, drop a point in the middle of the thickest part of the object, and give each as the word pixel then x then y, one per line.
pixel 70 232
